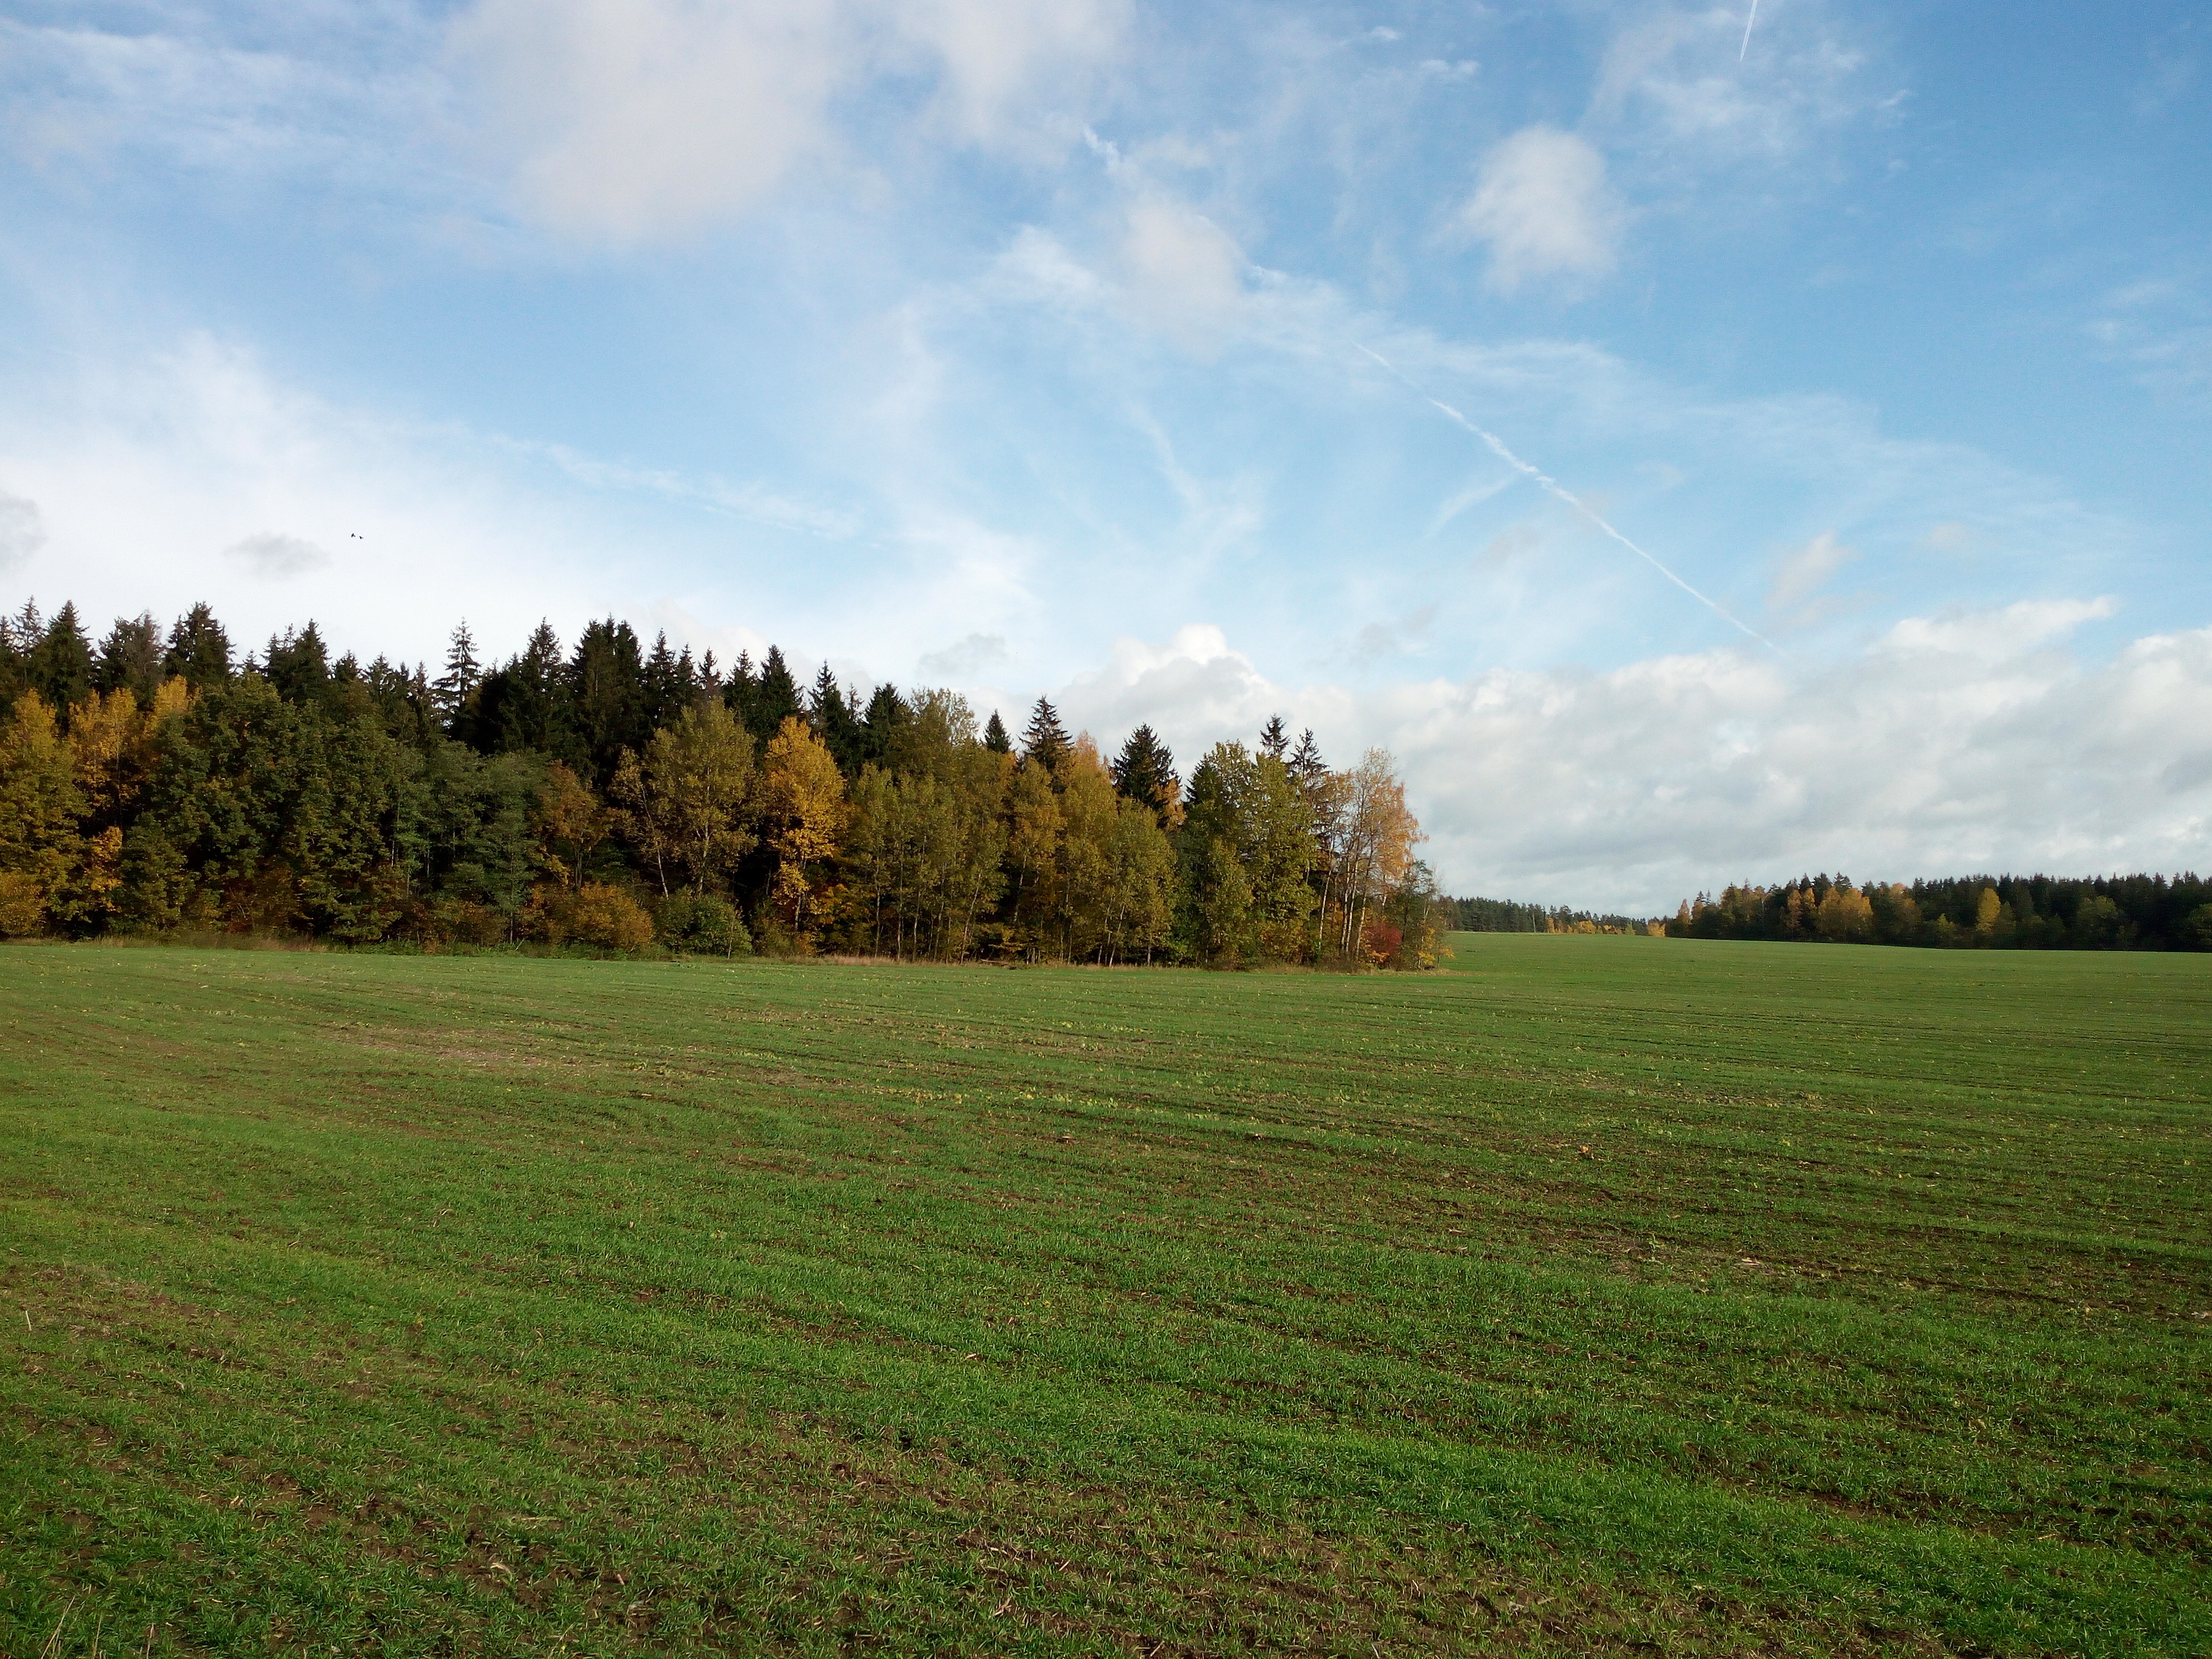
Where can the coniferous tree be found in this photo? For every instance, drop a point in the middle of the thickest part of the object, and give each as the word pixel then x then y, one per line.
pixel 458 685
pixel 525 704
pixel 775 698
pixel 1145 772
pixel 299 665
pixel 994 736
pixel 130 658
pixel 836 723
pixel 198 650
pixel 742 689
pixel 1275 739
pixel 887 713
pixel 19 635
pixel 666 684
pixel 1045 742
pixel 606 690
pixel 61 663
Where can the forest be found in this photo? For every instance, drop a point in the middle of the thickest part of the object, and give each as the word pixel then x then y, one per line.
pixel 2043 913
pixel 615 797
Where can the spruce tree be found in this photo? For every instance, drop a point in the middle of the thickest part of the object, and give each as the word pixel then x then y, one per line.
pixel 1145 772
pixel 664 692
pixel 777 699
pixel 1045 741
pixel 130 658
pixel 836 722
pixel 607 687
pixel 742 689
pixel 887 713
pixel 1274 738
pixel 198 649
pixel 458 682
pixel 299 665
pixel 994 736
pixel 61 662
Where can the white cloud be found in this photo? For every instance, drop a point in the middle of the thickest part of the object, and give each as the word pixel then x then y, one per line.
pixel 1184 274
pixel 23 532
pixel 162 478
pixel 1968 743
pixel 1671 89
pixel 1002 59
pixel 1542 205
pixel 962 661
pixel 1803 574
pixel 627 120
pixel 273 557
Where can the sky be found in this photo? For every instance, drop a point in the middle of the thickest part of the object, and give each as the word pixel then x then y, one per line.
pixel 1702 446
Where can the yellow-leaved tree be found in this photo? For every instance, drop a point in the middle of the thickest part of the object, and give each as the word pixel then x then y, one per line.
pixel 570 823
pixel 41 854
pixel 803 815
pixel 684 804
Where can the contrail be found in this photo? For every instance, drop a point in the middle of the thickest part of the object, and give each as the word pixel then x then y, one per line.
pixel 1748 23
pixel 1552 487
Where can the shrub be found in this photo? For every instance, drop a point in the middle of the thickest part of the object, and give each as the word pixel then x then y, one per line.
pixel 23 905
pixel 703 925
pixel 599 914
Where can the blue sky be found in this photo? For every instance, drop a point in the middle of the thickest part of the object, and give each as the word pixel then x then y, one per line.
pixel 1105 350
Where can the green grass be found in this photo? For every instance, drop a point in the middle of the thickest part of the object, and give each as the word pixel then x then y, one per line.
pixel 1596 1295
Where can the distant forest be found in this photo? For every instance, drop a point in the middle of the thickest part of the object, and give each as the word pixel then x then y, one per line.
pixel 2033 913
pixel 618 796
pixel 1485 915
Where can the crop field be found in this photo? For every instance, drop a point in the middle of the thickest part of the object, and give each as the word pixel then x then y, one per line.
pixel 1593 1295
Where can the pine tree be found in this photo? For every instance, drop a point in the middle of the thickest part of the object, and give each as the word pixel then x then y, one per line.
pixel 1305 762
pixel 994 736
pixel 1274 738
pixel 458 682
pixel 1045 742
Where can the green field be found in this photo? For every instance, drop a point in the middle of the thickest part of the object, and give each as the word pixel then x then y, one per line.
pixel 1595 1295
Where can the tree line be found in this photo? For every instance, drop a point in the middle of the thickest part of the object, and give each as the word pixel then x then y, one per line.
pixel 1488 916
pixel 611 795
pixel 2036 913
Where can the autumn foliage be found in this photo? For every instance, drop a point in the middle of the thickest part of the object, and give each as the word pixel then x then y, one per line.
pixel 609 797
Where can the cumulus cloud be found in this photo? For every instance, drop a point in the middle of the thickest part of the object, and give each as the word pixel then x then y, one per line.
pixel 1971 741
pixel 273 557
pixel 1542 205
pixel 23 532
pixel 631 119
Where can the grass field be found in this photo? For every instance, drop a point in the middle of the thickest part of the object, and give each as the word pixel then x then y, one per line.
pixel 1596 1295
